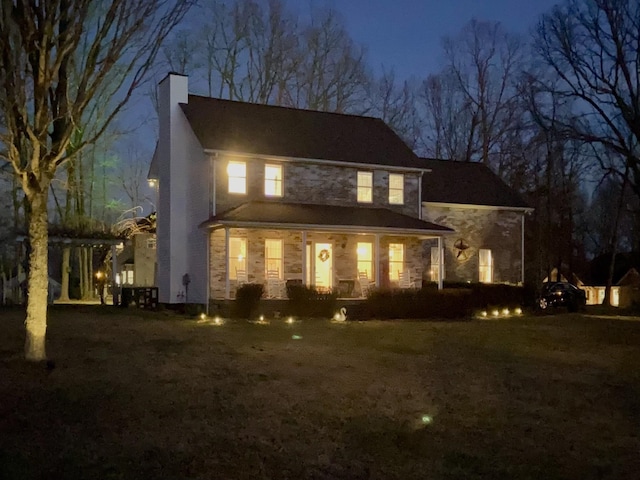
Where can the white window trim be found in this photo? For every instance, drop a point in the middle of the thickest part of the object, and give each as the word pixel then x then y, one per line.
pixel 276 182
pixel 229 177
pixel 359 187
pixel 401 189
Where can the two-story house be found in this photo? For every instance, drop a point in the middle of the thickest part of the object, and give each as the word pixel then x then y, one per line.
pixel 265 194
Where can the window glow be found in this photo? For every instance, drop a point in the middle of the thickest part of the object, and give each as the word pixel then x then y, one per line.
pixel 435 264
pixel 485 266
pixel 396 260
pixel 365 258
pixel 237 256
pixel 273 257
pixel 237 172
pixel 396 189
pixel 273 180
pixel 365 187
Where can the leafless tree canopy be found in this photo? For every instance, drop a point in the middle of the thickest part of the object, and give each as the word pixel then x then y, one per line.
pixel 593 49
pixel 56 58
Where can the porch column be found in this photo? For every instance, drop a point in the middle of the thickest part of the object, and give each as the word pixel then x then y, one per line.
pixel 304 257
pixel 440 263
pixel 522 254
pixel 227 287
pixel 115 288
pixel 377 255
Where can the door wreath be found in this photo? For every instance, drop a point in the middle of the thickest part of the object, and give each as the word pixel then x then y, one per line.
pixel 324 255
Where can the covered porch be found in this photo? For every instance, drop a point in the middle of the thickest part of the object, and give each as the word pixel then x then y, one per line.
pixel 349 250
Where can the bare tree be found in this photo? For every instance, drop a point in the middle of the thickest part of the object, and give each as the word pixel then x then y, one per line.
pixel 395 103
pixel 474 102
pixel 593 48
pixel 42 106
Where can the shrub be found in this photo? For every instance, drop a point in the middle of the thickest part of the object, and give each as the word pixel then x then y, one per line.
pixel 425 303
pixel 248 300
pixel 306 301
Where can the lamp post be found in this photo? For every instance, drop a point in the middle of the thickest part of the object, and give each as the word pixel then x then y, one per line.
pixel 153 184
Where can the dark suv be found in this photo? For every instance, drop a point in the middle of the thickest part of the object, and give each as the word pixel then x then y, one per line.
pixel 562 294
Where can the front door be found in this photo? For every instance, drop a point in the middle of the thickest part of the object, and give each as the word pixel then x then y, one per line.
pixel 323 266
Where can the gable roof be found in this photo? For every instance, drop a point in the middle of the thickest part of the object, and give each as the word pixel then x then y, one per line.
pixel 288 132
pixel 466 183
pixel 295 215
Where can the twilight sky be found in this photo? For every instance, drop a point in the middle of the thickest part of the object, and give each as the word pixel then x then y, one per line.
pixel 406 34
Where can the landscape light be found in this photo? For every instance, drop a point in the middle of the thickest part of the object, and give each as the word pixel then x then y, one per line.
pixel 518 311
pixel 290 320
pixel 505 311
pixel 218 321
pixel 426 419
pixel 203 316
pixel 495 313
pixel 483 313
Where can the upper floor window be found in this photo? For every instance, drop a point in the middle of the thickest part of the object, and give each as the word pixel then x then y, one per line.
pixel 273 180
pixel 396 188
pixel 365 187
pixel 485 269
pixel 237 172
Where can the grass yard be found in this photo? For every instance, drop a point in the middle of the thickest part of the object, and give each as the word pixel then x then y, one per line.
pixel 139 395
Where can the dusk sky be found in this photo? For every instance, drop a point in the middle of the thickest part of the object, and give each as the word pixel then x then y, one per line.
pixel 407 34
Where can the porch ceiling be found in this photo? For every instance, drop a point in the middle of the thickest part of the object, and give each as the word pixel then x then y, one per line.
pixel 261 214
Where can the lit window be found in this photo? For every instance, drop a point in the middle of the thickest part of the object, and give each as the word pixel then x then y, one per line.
pixel 485 269
pixel 273 257
pixel 273 180
pixel 396 189
pixel 396 261
pixel 127 274
pixel 237 256
pixel 365 187
pixel 237 172
pixel 365 258
pixel 435 264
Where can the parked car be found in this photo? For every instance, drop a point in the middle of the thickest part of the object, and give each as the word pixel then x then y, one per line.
pixel 561 294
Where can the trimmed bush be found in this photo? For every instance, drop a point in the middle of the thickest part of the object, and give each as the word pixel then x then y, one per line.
pixel 306 301
pixel 455 301
pixel 247 302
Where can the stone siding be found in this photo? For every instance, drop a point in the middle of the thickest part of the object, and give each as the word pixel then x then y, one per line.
pixel 343 256
pixel 481 228
pixel 314 183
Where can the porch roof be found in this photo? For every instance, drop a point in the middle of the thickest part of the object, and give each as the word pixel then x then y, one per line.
pixel 297 216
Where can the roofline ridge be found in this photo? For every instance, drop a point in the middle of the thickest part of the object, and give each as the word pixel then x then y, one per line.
pixel 285 107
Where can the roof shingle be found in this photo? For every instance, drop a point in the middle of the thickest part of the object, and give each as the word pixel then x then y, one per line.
pixel 295 214
pixel 289 132
pixel 466 183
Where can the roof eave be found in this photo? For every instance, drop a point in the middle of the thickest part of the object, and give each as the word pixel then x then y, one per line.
pixel 213 225
pixel 342 163
pixel 479 207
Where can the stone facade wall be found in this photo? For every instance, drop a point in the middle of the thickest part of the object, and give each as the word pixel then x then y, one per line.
pixel 314 183
pixel 494 229
pixel 343 256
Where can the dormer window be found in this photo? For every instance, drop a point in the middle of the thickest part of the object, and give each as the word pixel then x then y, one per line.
pixel 273 180
pixel 237 172
pixel 396 189
pixel 365 187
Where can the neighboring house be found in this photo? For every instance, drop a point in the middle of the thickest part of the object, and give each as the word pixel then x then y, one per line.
pixel 136 261
pixel 624 292
pixel 265 194
pixel 487 216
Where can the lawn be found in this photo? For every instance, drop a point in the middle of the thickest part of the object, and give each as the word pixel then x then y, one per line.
pixel 136 395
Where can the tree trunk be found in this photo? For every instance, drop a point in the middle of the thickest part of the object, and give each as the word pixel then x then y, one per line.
pixel 36 321
pixel 66 268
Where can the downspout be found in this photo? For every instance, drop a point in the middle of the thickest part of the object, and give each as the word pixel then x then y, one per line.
pixel 440 263
pixel 522 252
pixel 377 246
pixel 420 196
pixel 304 257
pixel 227 288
